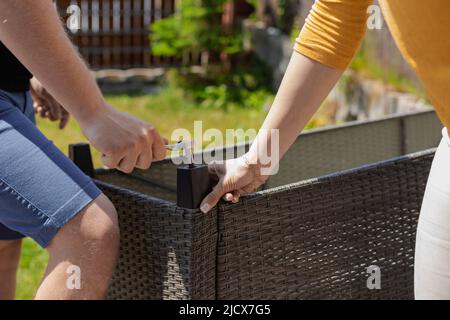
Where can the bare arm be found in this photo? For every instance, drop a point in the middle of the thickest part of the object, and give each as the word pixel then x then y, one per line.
pixel 327 43
pixel 33 32
pixel 328 40
pixel 305 85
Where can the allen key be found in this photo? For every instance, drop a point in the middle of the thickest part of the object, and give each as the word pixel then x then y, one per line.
pixel 186 147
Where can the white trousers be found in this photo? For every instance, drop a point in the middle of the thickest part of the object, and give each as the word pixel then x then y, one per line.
pixel 432 256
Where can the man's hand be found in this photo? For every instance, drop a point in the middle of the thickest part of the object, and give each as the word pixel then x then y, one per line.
pixel 125 141
pixel 236 177
pixel 46 106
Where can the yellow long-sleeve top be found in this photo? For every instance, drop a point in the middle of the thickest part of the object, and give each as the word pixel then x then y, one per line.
pixel 334 29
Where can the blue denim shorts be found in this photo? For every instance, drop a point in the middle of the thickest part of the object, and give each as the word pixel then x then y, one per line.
pixel 40 188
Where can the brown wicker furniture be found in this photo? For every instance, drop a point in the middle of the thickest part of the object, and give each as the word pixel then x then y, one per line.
pixel 297 239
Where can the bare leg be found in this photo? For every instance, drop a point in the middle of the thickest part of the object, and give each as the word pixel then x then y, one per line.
pixel 87 247
pixel 9 261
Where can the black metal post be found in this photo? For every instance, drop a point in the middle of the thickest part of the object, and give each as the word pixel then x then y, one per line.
pixel 80 153
pixel 193 184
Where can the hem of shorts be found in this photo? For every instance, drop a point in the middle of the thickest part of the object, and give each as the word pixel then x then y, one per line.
pixel 17 236
pixel 74 206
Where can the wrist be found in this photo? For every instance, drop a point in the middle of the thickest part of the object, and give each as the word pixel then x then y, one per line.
pixel 250 161
pixel 89 114
pixel 260 161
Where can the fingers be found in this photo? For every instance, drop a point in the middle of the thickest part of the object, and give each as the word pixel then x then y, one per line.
pixel 150 147
pixel 145 159
pixel 127 164
pixel 233 196
pixel 110 161
pixel 40 107
pixel 54 110
pixel 136 143
pixel 154 150
pixel 52 106
pixel 37 108
pixel 44 111
pixel 47 107
pixel 215 170
pixel 213 198
pixel 64 119
pixel 159 148
pixel 139 155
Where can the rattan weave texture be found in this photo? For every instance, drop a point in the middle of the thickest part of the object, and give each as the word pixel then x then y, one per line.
pixel 316 239
pixel 311 239
pixel 166 252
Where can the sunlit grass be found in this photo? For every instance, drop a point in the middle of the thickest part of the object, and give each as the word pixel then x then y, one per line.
pixel 32 267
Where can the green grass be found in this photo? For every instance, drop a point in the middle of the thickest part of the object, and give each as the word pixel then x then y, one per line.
pixel 32 267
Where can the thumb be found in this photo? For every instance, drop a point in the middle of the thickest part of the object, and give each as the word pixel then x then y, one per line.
pixel 212 198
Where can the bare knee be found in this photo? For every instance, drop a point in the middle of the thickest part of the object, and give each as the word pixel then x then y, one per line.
pixel 97 223
pixel 89 241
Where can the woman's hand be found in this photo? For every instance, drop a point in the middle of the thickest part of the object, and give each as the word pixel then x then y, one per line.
pixel 46 106
pixel 125 141
pixel 235 178
pixel 305 85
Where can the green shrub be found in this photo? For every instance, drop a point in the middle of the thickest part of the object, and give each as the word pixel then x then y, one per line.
pixel 195 27
pixel 248 86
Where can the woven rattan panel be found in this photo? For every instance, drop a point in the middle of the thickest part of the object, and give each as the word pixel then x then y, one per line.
pixel 166 252
pixel 315 240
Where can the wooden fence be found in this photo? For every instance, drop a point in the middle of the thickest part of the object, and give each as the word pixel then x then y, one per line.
pixel 115 33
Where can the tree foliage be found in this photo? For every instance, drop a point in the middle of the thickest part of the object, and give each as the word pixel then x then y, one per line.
pixel 195 27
